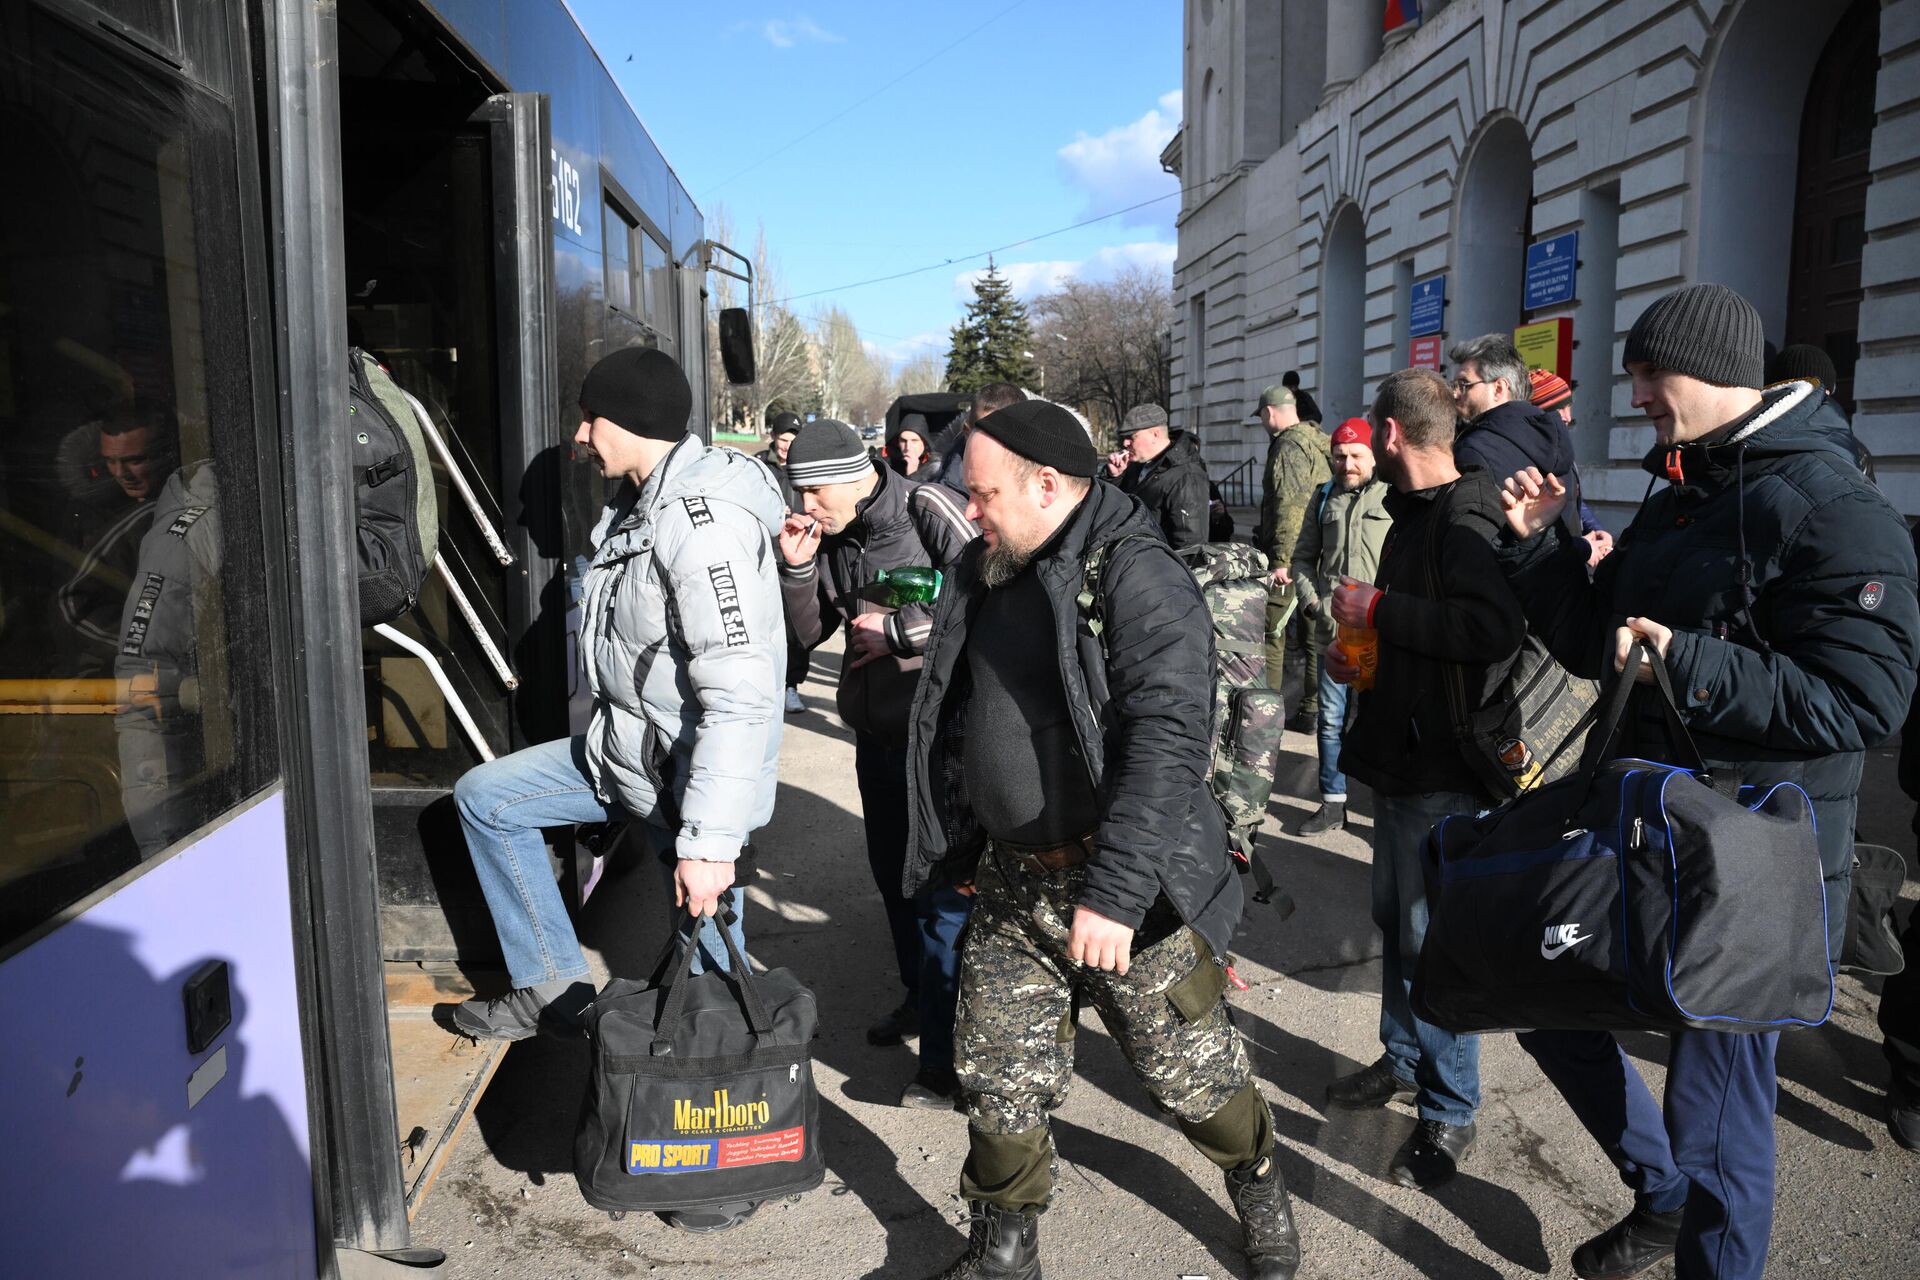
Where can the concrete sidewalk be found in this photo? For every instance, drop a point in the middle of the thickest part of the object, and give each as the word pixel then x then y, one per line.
pixel 1134 1200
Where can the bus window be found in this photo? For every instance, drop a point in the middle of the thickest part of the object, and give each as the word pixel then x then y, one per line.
pixel 134 669
pixel 661 301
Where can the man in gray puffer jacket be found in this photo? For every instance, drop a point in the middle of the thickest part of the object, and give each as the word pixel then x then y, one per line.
pixel 685 654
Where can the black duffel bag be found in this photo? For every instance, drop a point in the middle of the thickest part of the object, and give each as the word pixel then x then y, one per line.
pixel 702 1091
pixel 1631 894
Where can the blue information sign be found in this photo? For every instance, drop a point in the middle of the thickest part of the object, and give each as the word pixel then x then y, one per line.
pixel 1550 270
pixel 1427 312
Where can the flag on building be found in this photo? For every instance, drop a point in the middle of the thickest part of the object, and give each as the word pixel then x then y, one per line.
pixel 1400 13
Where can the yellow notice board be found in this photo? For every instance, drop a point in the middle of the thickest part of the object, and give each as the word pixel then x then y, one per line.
pixel 1547 345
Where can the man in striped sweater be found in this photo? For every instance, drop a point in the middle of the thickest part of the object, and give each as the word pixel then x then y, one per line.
pixel 858 518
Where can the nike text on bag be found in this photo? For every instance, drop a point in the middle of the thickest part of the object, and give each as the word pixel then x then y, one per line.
pixel 396 514
pixel 1631 894
pixel 702 1091
pixel 1247 716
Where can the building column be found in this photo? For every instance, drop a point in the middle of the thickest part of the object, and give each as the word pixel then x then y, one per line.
pixel 1353 41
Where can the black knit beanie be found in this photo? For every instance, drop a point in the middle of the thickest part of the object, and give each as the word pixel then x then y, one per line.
pixel 1043 432
pixel 641 390
pixel 827 451
pixel 1803 361
pixel 1705 331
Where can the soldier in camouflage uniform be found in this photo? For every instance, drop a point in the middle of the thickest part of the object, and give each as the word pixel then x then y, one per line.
pixel 1061 768
pixel 1297 464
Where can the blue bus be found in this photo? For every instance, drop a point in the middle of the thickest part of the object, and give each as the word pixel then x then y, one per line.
pixel 230 879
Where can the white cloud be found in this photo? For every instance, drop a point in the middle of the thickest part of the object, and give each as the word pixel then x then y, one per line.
pixel 784 33
pixel 1031 279
pixel 1121 167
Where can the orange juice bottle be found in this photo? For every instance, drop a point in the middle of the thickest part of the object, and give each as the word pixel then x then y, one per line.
pixel 1362 647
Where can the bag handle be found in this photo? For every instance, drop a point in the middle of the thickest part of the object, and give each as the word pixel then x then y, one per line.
pixel 738 971
pixel 1613 712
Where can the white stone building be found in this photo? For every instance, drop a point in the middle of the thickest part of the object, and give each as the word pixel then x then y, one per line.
pixel 1770 145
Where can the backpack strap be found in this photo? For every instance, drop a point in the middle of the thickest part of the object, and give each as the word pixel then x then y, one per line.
pixel 1089 597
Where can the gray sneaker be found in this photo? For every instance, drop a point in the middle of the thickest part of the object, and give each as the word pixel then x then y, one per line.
pixel 520 1013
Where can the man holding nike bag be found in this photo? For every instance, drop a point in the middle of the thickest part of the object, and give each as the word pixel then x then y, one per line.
pixel 1777 588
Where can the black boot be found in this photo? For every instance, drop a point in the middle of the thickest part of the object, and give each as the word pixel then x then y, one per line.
pixel 1325 818
pixel 897 1025
pixel 1629 1247
pixel 1903 1115
pixel 1266 1219
pixel 1001 1245
pixel 1431 1154
pixel 1371 1086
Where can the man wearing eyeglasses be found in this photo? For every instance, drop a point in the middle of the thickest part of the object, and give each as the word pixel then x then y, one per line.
pixel 1503 431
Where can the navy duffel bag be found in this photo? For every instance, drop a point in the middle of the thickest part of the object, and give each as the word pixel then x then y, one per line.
pixel 702 1095
pixel 1631 894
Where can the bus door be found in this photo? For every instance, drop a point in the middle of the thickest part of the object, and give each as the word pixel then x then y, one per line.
pixel 448 283
pixel 154 1088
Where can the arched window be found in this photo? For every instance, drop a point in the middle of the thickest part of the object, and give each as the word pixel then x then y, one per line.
pixel 1490 232
pixel 1343 290
pixel 1750 143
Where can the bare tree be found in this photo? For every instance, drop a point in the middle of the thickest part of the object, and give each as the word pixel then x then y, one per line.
pixel 848 378
pixel 780 342
pixel 923 373
pixel 1099 343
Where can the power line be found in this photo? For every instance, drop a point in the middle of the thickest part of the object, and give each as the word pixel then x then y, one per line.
pixel 856 105
pixel 969 257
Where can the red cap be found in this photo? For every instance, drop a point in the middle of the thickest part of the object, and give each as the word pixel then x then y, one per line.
pixel 1549 389
pixel 1354 431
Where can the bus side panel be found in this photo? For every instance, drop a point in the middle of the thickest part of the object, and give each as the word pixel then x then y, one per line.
pixel 127 1154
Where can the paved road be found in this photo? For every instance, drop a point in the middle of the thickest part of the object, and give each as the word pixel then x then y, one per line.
pixel 1134 1199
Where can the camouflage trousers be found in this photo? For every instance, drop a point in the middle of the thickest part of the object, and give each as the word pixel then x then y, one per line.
pixel 1293 654
pixel 1014 1029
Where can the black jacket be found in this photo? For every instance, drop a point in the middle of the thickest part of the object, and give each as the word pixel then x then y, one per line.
pixel 901 523
pixel 779 470
pixel 1173 489
pixel 1403 739
pixel 1513 436
pixel 1819 667
pixel 1143 711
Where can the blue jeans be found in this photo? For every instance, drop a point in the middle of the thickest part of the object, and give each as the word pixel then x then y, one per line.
pixel 503 806
pixel 1336 707
pixel 1709 1150
pixel 926 927
pixel 1444 1067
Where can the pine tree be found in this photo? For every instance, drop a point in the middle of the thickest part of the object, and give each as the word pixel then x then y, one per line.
pixel 991 343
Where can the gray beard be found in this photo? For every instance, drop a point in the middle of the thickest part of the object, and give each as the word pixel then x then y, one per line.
pixel 1001 564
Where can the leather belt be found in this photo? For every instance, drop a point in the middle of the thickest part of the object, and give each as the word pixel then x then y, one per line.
pixel 1047 859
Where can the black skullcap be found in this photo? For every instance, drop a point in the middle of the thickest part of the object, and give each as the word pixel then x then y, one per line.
pixel 1706 331
pixel 784 424
pixel 641 390
pixel 1804 361
pixel 1043 432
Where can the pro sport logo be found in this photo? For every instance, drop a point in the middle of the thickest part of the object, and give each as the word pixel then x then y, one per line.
pixel 1560 938
pixel 726 594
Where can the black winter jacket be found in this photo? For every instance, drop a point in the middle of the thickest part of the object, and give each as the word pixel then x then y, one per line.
pixel 1794 687
pixel 1513 436
pixel 1403 740
pixel 901 523
pixel 1173 489
pixel 1143 710
pixel 780 478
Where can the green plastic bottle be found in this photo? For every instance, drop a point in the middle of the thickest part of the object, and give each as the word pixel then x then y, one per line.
pixel 914 584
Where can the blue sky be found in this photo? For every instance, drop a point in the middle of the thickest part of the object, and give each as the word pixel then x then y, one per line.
pixel 1044 113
